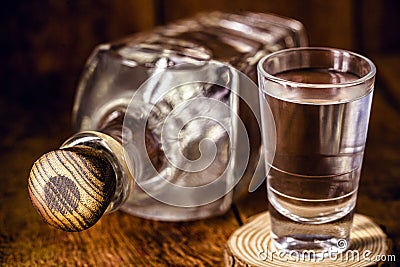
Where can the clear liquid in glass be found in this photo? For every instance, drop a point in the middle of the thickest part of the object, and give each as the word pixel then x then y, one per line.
pixel 313 181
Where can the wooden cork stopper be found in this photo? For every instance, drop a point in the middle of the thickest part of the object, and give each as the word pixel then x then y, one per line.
pixel 72 188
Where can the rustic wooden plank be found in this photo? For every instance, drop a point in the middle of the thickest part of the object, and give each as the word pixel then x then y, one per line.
pixel 33 120
pixel 120 239
pixel 117 240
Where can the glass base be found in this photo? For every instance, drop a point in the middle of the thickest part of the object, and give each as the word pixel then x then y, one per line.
pixel 314 240
pixel 306 246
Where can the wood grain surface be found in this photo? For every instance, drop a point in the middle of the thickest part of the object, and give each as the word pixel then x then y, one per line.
pixel 71 188
pixel 45 45
pixel 251 246
pixel 119 239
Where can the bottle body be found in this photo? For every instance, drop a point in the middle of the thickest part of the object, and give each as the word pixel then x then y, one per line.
pixel 204 130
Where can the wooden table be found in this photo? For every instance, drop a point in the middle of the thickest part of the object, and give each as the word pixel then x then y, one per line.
pixel 29 128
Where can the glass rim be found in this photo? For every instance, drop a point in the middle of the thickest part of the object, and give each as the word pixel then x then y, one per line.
pixel 371 73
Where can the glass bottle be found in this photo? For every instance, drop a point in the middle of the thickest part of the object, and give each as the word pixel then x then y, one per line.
pixel 167 123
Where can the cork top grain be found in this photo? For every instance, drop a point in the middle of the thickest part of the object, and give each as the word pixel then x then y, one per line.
pixel 72 188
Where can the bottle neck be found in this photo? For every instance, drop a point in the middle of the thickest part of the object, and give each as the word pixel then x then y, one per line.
pixel 112 125
pixel 115 154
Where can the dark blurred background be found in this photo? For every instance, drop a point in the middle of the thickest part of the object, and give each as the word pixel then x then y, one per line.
pixel 45 43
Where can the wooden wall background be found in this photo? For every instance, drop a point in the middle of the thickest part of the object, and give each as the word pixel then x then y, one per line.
pixel 46 42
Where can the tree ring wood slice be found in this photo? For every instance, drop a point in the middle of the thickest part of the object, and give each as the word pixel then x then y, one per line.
pixel 251 245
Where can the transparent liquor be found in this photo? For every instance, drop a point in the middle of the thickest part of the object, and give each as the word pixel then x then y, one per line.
pixel 174 113
pixel 314 177
pixel 116 72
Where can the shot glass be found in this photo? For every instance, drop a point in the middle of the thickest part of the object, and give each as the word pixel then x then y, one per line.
pixel 320 99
